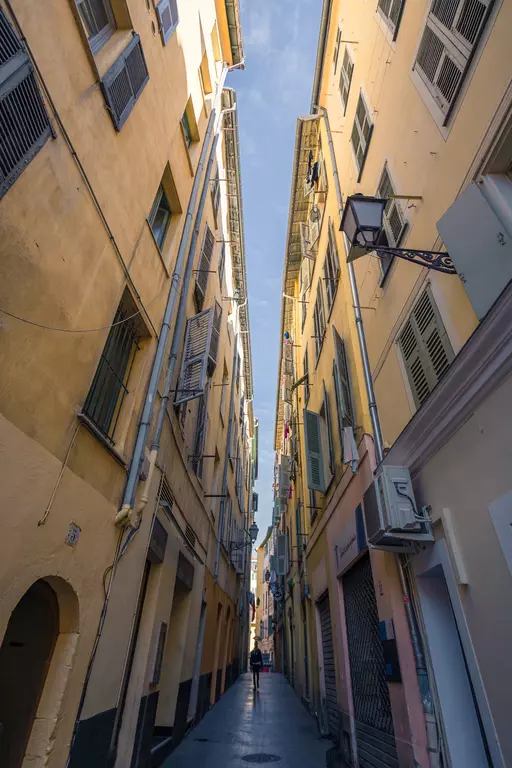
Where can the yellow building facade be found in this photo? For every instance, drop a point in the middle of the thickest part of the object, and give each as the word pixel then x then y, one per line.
pixel 127 432
pixel 382 366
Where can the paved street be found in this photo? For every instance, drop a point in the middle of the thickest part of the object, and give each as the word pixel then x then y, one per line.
pixel 272 721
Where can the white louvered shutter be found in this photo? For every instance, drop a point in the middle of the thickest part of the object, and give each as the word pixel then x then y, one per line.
pixel 314 457
pixel 425 348
pixel 168 18
pixel 361 134
pixel 194 365
pixel 452 31
pixel 342 381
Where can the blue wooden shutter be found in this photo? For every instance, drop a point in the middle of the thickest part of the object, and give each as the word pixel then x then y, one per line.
pixel 124 82
pixel 194 365
pixel 168 18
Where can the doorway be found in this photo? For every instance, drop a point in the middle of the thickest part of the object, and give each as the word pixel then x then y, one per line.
pixel 329 670
pixel 25 656
pixel 465 736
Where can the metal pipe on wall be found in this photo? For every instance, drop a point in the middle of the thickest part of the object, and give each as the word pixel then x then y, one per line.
pixel 124 515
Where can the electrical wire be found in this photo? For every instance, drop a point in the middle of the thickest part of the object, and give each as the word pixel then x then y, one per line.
pixel 78 330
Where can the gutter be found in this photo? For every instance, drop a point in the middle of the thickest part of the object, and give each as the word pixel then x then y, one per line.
pixel 235 31
pixel 323 34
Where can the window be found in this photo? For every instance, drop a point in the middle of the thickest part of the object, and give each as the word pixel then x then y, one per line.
pixel 216 195
pixel 234 443
pixel 238 371
pixel 215 484
pixel 305 367
pixel 346 71
pixel 319 320
pixel 124 82
pixel 361 134
pixel 167 12
pixel 312 505
pixel 331 269
pixel 425 348
pixel 110 384
pixel 203 269
pixel 336 48
pixel 394 221
pixel 391 11
pixel 160 216
pixel 298 530
pixel 200 433
pixel 98 21
pixel 222 263
pixel 342 386
pixel 216 44
pixel 451 34
pixel 24 124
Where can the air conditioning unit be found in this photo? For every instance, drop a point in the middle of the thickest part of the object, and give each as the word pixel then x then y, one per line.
pixel 393 521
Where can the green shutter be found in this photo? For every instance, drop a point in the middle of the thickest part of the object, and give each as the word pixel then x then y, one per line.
pixel 342 381
pixel 327 414
pixel 314 458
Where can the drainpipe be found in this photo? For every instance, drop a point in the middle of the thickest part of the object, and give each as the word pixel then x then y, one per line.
pixel 372 403
pixel 228 443
pixel 179 328
pixel 125 514
pixel 414 631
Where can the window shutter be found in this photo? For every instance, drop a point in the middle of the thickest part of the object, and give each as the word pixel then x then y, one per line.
pixel 200 436
pixel 205 261
pixel 25 126
pixel 425 348
pixel 167 12
pixel 452 30
pixel 392 11
pixel 347 69
pixel 314 457
pixel 282 554
pixel 327 414
pixel 194 365
pixel 342 381
pixel 361 134
pixel 305 276
pixel 124 82
pixel 331 269
pixel 214 342
pixel 203 268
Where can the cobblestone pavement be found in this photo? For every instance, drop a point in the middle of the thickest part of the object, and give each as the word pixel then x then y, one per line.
pixel 270 721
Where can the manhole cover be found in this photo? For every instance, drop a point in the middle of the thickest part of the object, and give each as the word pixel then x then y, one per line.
pixel 261 757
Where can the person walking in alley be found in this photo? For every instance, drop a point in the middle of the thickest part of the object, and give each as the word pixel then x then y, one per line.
pixel 256 664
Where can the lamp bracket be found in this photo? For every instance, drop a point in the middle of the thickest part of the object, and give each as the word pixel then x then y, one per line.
pixel 439 261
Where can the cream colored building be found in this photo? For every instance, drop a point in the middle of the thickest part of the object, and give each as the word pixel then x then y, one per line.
pixel 126 428
pixel 411 102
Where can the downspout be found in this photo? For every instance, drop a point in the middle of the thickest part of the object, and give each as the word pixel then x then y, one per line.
pixel 228 444
pixel 372 403
pixel 179 328
pixel 125 514
pixel 415 635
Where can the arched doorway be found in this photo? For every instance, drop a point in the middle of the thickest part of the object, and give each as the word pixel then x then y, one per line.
pixel 25 656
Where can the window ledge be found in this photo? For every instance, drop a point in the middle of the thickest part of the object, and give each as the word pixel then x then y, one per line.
pixel 93 429
pixel 111 51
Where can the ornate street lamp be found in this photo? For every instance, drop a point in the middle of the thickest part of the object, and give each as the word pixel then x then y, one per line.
pixel 252 533
pixel 362 223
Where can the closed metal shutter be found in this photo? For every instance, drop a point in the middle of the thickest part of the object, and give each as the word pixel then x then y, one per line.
pixel 372 706
pixel 331 696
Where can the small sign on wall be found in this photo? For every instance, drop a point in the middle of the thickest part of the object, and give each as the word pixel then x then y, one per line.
pixel 350 542
pixel 74 532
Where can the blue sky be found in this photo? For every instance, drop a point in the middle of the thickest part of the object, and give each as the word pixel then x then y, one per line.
pixel 280 39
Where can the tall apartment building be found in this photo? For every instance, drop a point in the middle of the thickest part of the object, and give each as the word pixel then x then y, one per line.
pixel 386 363
pixel 126 428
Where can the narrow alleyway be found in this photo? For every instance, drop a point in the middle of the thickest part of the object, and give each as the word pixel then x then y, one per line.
pixel 245 725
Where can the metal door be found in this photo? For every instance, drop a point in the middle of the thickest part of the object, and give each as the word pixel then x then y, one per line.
pixel 331 697
pixel 372 707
